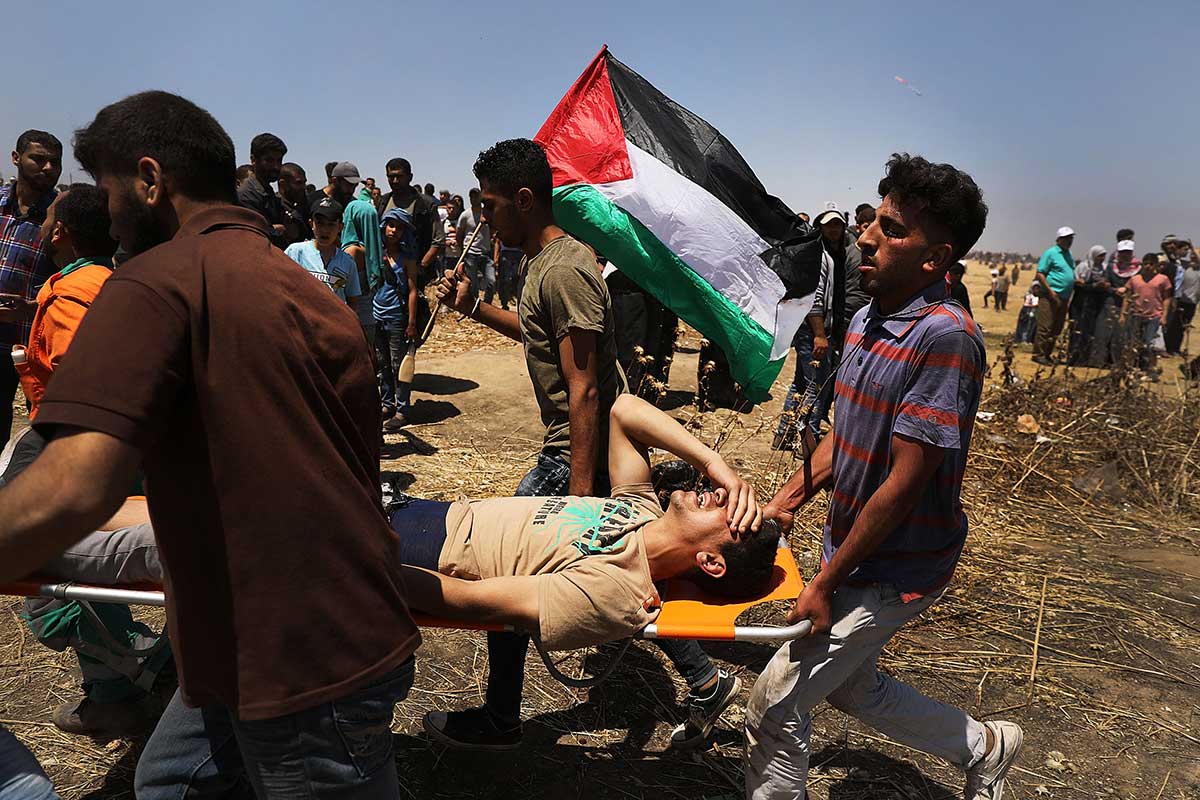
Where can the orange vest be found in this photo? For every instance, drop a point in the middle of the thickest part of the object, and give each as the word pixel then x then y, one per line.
pixel 62 302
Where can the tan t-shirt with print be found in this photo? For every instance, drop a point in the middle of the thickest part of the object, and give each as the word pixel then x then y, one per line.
pixel 594 580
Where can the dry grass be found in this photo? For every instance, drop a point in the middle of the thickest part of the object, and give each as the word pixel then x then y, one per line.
pixel 1075 611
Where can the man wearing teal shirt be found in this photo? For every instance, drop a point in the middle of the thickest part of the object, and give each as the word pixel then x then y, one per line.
pixel 1056 278
pixel 361 239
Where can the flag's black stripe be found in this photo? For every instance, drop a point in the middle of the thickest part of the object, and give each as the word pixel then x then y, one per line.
pixel 697 150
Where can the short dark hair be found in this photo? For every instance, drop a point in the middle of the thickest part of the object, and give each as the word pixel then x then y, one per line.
pixel 399 163
pixel 243 171
pixel 186 140
pixel 429 189
pixel 267 143
pixel 1124 233
pixel 329 165
pixel 671 476
pixel 473 193
pixel 865 212
pixel 949 196
pixel 84 211
pixel 34 136
pixel 514 164
pixel 749 565
pixel 292 168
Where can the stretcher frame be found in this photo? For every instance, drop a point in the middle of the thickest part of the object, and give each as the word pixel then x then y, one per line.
pixel 687 613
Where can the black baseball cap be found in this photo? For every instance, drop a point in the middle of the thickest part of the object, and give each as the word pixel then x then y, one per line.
pixel 327 207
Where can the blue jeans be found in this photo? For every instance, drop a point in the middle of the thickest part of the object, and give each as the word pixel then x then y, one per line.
pixel 340 749
pixel 482 272
pixel 391 345
pixel 1143 332
pixel 21 776
pixel 803 391
pixel 421 526
pixel 506 651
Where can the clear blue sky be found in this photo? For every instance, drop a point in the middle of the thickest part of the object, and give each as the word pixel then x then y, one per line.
pixel 1083 114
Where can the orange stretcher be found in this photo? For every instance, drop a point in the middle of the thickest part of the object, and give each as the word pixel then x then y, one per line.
pixel 687 613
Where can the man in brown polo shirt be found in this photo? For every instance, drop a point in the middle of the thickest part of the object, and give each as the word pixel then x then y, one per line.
pixel 245 392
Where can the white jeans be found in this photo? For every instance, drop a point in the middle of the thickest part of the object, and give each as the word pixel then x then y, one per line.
pixel 840 667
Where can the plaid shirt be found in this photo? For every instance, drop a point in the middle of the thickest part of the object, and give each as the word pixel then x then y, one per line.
pixel 24 264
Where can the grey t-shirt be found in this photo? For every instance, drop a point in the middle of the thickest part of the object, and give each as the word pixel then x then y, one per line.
pixel 482 246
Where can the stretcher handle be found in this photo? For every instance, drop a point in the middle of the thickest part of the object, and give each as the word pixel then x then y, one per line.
pixel 750 633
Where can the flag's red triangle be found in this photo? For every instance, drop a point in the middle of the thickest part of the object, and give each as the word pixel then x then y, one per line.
pixel 583 137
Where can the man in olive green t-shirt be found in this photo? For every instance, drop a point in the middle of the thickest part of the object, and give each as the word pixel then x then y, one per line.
pixel 564 320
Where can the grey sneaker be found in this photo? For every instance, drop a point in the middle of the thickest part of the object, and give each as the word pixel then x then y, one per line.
pixel 703 712
pixel 985 780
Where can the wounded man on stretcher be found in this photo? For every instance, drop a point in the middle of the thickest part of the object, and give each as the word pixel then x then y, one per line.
pixel 575 571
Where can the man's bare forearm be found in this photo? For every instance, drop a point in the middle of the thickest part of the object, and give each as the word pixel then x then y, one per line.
pixel 878 518
pixel 48 507
pixel 430 255
pixel 498 319
pixel 813 476
pixel 583 414
pixel 648 427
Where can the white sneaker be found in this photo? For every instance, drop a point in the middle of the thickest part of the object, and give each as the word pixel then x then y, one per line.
pixel 985 780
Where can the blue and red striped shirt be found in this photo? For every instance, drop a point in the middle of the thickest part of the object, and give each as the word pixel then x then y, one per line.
pixel 24 264
pixel 918 373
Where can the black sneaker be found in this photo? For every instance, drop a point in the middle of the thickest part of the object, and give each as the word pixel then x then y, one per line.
pixel 472 729
pixel 703 712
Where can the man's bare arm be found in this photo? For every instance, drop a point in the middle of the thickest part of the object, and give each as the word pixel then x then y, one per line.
pixel 504 600
pixel 913 465
pixel 454 291
pixel 635 426
pixel 814 475
pixel 76 484
pixel 577 355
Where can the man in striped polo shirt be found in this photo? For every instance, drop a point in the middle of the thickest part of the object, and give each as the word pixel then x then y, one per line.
pixel 907 391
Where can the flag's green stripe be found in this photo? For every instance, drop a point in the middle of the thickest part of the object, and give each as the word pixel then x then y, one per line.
pixel 591 217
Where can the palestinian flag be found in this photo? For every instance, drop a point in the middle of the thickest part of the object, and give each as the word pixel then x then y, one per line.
pixel 666 198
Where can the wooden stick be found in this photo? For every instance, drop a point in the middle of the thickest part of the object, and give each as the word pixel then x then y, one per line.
pixel 457 273
pixel 408 366
pixel 1037 639
pixel 1163 788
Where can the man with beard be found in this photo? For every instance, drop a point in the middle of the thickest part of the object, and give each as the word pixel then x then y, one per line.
pixel 24 265
pixel 182 367
pixel 907 393
pixel 255 193
pixel 297 217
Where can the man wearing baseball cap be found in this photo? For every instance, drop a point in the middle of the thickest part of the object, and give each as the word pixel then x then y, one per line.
pixel 1056 277
pixel 360 238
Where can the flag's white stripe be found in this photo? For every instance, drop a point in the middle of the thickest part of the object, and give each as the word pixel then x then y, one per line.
pixel 715 242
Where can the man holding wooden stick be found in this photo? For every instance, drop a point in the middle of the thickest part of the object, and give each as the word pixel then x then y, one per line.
pixel 907 388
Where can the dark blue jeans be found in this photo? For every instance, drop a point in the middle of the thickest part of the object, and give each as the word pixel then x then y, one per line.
pixel 341 749
pixel 805 384
pixel 506 651
pixel 391 345
pixel 21 776
pixel 421 526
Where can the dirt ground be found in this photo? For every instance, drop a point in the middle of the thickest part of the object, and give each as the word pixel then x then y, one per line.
pixel 1112 711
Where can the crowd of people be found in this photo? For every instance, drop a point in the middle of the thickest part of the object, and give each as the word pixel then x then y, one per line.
pixel 184 330
pixel 1119 310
